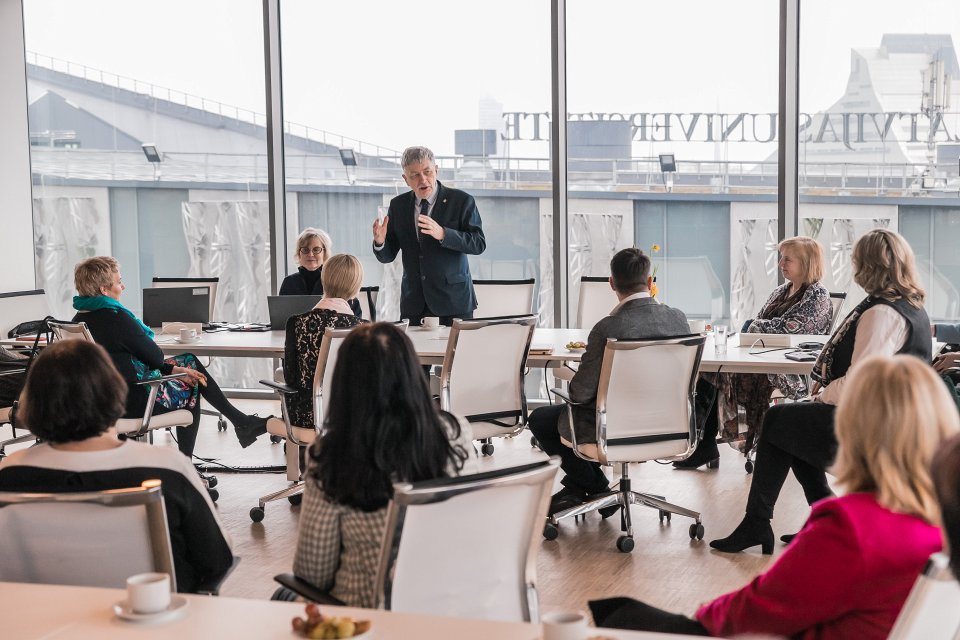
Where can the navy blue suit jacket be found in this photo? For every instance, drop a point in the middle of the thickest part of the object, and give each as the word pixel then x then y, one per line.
pixel 435 274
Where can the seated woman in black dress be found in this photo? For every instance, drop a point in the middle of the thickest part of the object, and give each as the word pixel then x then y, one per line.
pixel 137 357
pixel 73 397
pixel 800 436
pixel 314 248
pixel 341 282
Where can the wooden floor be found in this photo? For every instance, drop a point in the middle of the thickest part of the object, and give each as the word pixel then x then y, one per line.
pixel 665 569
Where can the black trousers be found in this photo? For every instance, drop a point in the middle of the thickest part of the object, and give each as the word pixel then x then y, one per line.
pixel 580 474
pixel 627 613
pixel 796 437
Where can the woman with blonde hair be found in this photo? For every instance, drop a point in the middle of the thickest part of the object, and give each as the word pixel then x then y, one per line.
pixel 800 436
pixel 342 279
pixel 851 567
pixel 801 305
pixel 313 248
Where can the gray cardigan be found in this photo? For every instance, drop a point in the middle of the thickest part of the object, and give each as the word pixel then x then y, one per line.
pixel 637 319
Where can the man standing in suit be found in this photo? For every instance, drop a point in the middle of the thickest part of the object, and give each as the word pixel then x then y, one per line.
pixel 637 316
pixel 436 228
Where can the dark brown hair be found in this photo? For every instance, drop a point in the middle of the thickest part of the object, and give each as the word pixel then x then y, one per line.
pixel 73 392
pixel 629 270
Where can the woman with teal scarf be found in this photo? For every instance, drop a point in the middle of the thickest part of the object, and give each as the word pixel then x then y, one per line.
pixel 137 357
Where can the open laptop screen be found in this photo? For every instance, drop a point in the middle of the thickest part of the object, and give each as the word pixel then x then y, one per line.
pixel 282 307
pixel 176 304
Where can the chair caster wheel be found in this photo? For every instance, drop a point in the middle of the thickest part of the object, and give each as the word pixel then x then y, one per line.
pixel 665 515
pixel 295 499
pixel 696 531
pixel 748 466
pixel 550 531
pixel 221 424
pixel 486 449
pixel 276 439
pixel 214 494
pixel 256 514
pixel 625 544
pixel 211 481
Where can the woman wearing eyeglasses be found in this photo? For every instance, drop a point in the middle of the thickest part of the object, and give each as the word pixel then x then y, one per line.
pixel 314 246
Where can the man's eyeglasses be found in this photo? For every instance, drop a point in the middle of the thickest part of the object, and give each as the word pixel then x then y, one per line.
pixel 305 251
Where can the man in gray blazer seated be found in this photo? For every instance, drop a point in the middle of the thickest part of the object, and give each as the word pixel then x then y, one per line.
pixel 637 316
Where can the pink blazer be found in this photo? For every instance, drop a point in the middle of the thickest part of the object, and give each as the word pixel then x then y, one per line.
pixel 845 575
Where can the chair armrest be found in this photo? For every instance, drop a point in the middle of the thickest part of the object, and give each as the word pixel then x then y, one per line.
pixel 158 380
pixel 565 396
pixel 307 590
pixel 279 387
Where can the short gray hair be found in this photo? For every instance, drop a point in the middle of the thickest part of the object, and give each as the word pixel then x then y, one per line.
pixel 416 155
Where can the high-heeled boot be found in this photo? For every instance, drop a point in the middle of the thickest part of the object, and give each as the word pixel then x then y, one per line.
pixel 706 453
pixel 751 531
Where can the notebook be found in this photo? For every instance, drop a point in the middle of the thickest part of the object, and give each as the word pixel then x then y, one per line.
pixel 282 307
pixel 176 304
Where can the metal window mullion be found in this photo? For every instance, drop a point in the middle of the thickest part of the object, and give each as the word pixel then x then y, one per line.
pixel 788 107
pixel 558 147
pixel 276 176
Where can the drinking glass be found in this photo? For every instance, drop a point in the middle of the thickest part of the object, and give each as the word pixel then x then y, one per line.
pixel 720 332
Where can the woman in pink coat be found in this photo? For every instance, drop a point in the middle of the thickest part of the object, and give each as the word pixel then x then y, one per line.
pixel 849 570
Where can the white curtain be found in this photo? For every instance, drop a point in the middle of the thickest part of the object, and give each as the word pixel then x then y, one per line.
pixel 64 232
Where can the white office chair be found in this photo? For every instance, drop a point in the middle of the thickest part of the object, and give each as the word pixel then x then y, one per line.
pixel 368 303
pixel 463 547
pixel 596 301
pixel 134 427
pixel 644 411
pixel 931 611
pixel 482 375
pixel 498 298
pixel 298 437
pixel 837 300
pixel 96 539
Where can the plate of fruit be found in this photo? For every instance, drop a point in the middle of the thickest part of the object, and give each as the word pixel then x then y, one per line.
pixel 576 346
pixel 320 627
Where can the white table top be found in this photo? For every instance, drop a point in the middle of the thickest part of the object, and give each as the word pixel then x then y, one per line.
pixel 430 345
pixel 50 611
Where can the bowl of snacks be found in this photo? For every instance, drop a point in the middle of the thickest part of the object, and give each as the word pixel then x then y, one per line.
pixel 317 626
pixel 577 346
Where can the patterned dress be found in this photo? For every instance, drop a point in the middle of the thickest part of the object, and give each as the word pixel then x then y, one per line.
pixel 812 314
pixel 302 346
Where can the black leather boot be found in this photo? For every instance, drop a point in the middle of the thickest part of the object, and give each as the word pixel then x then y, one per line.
pixel 751 531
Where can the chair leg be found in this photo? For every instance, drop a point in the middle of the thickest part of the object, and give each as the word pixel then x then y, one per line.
pixel 657 502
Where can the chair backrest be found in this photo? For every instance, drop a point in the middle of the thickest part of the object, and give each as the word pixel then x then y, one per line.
pixel 159 283
pixel 21 306
pixel 596 301
pixel 70 330
pixel 368 302
pixel 326 361
pixel 497 298
pixel 96 539
pixel 467 547
pixel 645 398
pixel 837 298
pixel 483 367
pixel 931 611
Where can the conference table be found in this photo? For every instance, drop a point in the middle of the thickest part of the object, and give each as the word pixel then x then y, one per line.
pixel 431 346
pixel 37 611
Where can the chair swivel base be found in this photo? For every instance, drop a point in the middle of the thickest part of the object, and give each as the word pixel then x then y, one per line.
pixel 293 494
pixel 624 497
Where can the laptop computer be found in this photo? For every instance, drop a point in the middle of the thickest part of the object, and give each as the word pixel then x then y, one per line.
pixel 282 307
pixel 176 304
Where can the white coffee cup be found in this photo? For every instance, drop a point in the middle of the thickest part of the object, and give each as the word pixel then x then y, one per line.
pixel 564 625
pixel 148 592
pixel 698 326
pixel 188 335
pixel 431 323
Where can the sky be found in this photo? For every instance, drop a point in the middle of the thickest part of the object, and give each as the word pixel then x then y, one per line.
pixel 397 74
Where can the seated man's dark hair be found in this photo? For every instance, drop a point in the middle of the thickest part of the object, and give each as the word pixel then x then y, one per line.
pixel 73 392
pixel 946 481
pixel 629 270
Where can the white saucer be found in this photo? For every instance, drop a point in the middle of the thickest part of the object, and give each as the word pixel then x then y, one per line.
pixel 581 350
pixel 194 341
pixel 427 329
pixel 122 610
